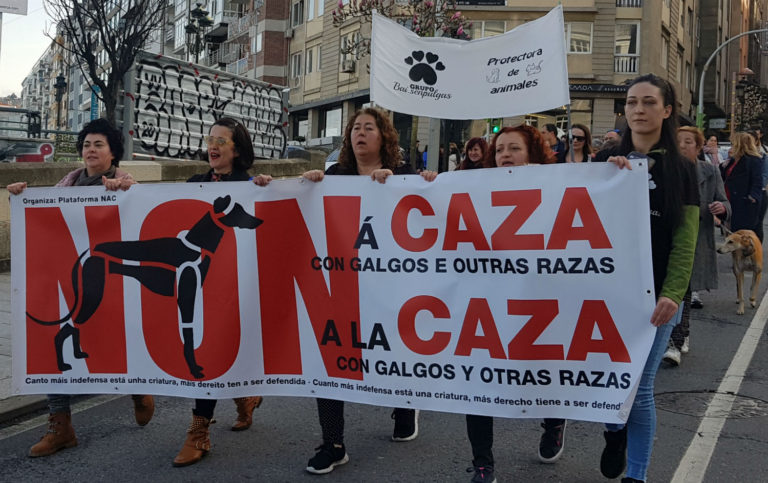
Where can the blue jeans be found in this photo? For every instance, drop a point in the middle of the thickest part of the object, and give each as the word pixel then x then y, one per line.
pixel 641 424
pixel 58 403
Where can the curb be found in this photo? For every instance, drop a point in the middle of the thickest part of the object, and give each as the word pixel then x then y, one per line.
pixel 16 406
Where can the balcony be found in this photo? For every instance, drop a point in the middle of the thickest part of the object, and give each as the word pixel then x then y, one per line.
pixel 231 52
pixel 240 25
pixel 221 21
pixel 239 67
pixel 625 64
pixel 629 3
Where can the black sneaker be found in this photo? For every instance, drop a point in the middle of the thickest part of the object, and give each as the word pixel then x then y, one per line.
pixel 327 458
pixel 551 444
pixel 631 480
pixel 406 424
pixel 483 474
pixel 613 461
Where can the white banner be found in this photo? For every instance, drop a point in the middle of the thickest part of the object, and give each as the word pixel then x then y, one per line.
pixel 522 292
pixel 19 7
pixel 522 71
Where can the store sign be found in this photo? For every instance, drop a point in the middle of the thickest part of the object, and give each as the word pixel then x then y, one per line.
pixel 718 123
pixel 18 7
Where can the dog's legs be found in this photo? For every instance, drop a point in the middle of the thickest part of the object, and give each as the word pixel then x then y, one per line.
pixel 79 354
pixel 93 276
pixel 739 291
pixel 188 285
pixel 58 341
pixel 755 285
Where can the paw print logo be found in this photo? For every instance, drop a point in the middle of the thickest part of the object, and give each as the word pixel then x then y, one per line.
pixel 424 71
pixel 651 182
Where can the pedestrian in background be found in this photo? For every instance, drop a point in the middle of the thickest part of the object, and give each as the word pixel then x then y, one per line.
pixel 582 146
pixel 743 179
pixel 757 136
pixel 100 145
pixel 712 203
pixel 651 113
pixel 476 150
pixel 711 151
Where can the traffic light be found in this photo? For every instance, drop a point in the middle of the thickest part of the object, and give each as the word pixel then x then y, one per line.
pixel 495 125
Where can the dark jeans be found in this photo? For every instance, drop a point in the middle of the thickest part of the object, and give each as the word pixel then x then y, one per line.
pixel 480 434
pixel 204 408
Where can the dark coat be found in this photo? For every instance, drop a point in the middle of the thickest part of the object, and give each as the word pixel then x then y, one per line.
pixel 744 188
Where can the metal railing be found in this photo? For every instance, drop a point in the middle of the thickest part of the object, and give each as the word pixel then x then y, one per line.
pixel 625 64
pixel 241 25
pixel 629 3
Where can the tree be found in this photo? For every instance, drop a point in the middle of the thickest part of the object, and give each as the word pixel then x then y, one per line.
pixel 427 18
pixel 88 26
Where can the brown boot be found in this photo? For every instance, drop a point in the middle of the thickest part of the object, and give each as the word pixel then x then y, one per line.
pixel 245 407
pixel 143 409
pixel 197 443
pixel 60 435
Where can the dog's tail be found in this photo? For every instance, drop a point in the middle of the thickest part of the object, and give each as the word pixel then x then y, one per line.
pixel 75 289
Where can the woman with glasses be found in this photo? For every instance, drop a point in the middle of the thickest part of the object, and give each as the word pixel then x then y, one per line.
pixel 230 154
pixel 582 146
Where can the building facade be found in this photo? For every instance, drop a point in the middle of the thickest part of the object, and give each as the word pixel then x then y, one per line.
pixel 609 42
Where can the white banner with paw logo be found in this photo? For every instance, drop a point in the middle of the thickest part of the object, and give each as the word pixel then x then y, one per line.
pixel 521 71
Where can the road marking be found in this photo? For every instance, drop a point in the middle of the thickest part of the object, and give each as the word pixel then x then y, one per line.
pixel 693 465
pixel 78 407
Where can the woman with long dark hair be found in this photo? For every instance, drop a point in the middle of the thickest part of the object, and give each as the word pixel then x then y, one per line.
pixel 582 146
pixel 651 113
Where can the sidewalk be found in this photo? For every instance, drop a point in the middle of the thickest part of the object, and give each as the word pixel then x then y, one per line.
pixel 10 406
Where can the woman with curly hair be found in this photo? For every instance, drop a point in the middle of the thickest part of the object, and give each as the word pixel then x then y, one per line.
pixel 475 151
pixel 512 146
pixel 370 148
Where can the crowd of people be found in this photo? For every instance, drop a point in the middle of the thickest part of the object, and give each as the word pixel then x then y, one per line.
pixel 691 191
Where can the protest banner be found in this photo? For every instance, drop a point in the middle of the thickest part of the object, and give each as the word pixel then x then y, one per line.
pixel 513 292
pixel 521 71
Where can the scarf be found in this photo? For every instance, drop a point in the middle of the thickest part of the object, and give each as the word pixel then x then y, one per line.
pixel 95 180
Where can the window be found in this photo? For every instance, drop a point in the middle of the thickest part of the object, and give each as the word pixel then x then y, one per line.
pixel 181 35
pixel 349 47
pixel 665 52
pixel 256 43
pixel 679 70
pixel 627 39
pixel 487 28
pixel 688 75
pixel 331 122
pixel 311 9
pixel 310 59
pixel 296 61
pixel 297 13
pixel 578 37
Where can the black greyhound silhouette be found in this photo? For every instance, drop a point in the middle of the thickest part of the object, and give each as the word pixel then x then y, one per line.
pixel 188 257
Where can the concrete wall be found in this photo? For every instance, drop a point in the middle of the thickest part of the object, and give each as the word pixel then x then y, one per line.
pixel 156 171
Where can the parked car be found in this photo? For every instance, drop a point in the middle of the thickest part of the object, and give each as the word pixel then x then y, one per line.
pixel 332 158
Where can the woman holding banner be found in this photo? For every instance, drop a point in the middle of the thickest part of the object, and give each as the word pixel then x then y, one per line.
pixel 370 148
pixel 100 145
pixel 651 113
pixel 230 154
pixel 512 146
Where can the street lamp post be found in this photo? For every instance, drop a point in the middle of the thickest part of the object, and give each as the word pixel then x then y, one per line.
pixel 59 88
pixel 199 22
pixel 700 107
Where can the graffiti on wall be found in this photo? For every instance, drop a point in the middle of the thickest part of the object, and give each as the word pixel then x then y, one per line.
pixel 175 105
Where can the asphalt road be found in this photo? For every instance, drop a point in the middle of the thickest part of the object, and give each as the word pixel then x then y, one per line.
pixel 113 448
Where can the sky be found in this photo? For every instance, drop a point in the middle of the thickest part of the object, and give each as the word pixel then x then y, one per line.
pixel 23 42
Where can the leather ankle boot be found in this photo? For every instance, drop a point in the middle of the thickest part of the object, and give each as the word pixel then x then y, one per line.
pixel 60 435
pixel 245 407
pixel 197 443
pixel 143 408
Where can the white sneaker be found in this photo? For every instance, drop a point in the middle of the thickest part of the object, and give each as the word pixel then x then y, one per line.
pixel 684 349
pixel 696 301
pixel 672 356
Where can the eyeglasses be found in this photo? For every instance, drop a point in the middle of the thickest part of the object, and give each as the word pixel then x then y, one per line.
pixel 579 138
pixel 220 142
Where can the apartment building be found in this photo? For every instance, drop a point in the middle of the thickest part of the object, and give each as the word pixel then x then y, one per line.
pixel 608 42
pixel 35 95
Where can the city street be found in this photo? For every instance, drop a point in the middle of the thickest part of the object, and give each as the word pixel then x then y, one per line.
pixel 285 431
